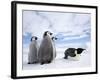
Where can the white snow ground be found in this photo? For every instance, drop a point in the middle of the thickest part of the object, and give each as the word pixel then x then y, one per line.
pixel 60 62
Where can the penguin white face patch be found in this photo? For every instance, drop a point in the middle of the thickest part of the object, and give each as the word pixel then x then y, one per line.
pixel 76 58
pixel 33 38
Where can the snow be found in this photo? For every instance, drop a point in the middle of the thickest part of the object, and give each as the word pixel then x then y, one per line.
pixel 59 62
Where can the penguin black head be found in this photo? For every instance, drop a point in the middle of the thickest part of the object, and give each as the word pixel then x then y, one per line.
pixel 80 50
pixel 34 37
pixel 45 33
pixel 54 38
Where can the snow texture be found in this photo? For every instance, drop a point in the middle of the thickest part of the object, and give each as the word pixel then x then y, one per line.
pixel 60 62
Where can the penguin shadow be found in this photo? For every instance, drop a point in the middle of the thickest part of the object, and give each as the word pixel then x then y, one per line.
pixel 32 63
pixel 72 59
pixel 62 60
pixel 35 64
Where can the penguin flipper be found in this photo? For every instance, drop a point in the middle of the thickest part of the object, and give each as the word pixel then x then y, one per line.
pixel 73 55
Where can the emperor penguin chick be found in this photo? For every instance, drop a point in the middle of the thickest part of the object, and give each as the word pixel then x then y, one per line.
pixel 73 53
pixel 33 51
pixel 46 49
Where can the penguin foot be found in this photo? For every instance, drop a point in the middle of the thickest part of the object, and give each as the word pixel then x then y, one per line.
pixel 42 63
pixel 34 62
pixel 29 63
pixel 49 62
pixel 66 57
pixel 45 62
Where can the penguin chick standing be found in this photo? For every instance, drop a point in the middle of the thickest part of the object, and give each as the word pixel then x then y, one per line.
pixel 54 48
pixel 46 49
pixel 73 53
pixel 33 51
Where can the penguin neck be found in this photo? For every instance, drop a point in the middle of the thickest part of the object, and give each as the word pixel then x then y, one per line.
pixel 49 35
pixel 76 52
pixel 33 40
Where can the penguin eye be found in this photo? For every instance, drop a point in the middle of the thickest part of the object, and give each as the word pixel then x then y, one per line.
pixel 56 38
pixel 35 38
pixel 52 38
pixel 31 38
pixel 50 33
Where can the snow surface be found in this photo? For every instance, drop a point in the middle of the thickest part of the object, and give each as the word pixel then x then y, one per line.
pixel 59 62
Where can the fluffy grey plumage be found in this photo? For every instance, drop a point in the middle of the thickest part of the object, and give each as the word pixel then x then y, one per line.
pixel 33 51
pixel 46 49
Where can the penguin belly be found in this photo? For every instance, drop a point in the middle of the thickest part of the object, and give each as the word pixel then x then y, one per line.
pixel 33 53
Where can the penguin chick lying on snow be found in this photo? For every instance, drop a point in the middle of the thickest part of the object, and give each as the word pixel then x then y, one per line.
pixel 73 53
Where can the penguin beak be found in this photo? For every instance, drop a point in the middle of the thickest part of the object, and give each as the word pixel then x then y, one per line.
pixel 56 38
pixel 84 49
pixel 31 38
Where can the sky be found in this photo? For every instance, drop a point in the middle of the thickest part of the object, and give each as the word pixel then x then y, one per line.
pixel 69 28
